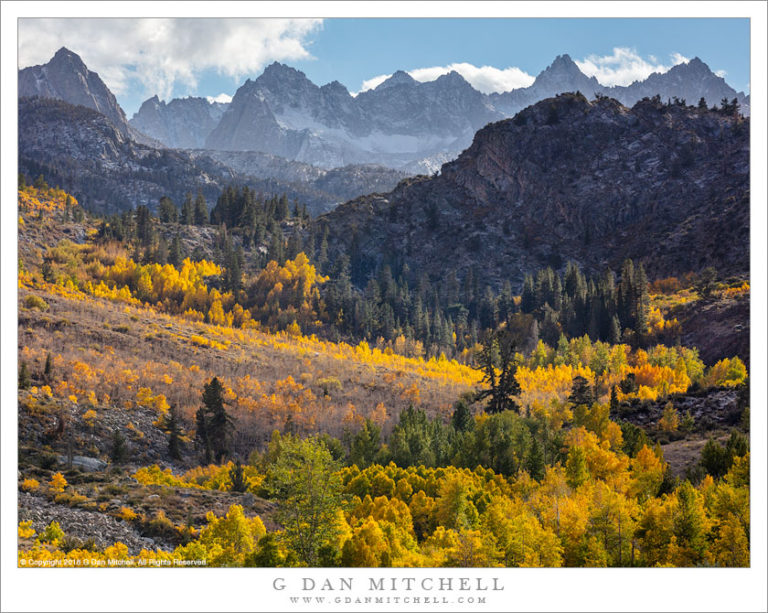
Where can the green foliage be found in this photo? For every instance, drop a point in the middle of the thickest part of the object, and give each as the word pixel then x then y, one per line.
pixel 119 448
pixel 498 361
pixel 304 480
pixel 174 434
pixel 365 445
pixel 24 381
pixel 416 439
pixel 36 302
pixel 52 533
pixel 576 470
pixel 236 476
pixel 462 420
pixel 267 555
pixel 167 210
pixel 214 424
pixel 706 282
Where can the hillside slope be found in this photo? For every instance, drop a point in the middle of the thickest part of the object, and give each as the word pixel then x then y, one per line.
pixel 568 179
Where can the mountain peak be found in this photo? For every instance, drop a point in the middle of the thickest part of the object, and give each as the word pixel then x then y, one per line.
pixel 452 78
pixel 66 57
pixel 400 77
pixel 695 66
pixel 282 71
pixel 562 64
pixel 335 87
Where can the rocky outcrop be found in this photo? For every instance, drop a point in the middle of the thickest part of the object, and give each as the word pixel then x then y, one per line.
pixel 569 179
pixel 82 525
pixel 401 123
pixel 183 123
pixel 66 77
pixel 82 151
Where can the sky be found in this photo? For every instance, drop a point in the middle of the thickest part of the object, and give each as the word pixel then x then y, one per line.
pixel 213 57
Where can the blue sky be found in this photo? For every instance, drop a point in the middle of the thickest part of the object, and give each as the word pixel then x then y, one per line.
pixel 208 57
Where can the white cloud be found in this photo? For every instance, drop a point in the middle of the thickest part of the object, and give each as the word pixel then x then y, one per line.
pixel 373 83
pixel 225 98
pixel 624 66
pixel 486 79
pixel 162 53
pixel 721 73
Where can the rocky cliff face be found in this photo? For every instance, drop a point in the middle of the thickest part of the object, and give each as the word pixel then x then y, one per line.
pixel 689 81
pixel 595 182
pixel 400 122
pixel 404 124
pixel 183 123
pixel 65 77
pixel 82 151
pixel 85 153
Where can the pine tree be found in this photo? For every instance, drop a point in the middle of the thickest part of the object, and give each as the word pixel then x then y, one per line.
pixel 119 450
pixel 48 369
pixel 535 461
pixel 217 424
pixel 201 210
pixel 462 416
pixel 614 336
pixel 24 381
pixel 167 211
pixel 175 254
pixel 528 298
pixel 174 434
pixel 143 225
pixel 201 435
pixel 237 477
pixel 499 364
pixel 642 302
pixel 188 210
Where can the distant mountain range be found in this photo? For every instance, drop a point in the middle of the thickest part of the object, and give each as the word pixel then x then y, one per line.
pixel 281 132
pixel 401 123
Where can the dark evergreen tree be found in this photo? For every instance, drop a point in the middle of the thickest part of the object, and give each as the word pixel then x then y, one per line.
pixel 201 210
pixel 188 210
pixel 462 419
pixel 237 477
pixel 24 381
pixel 48 368
pixel 143 225
pixel 705 282
pixel 202 437
pixel 499 365
pixel 365 445
pixel 217 424
pixel 175 253
pixel 119 449
pixel 534 463
pixel 174 434
pixel 167 210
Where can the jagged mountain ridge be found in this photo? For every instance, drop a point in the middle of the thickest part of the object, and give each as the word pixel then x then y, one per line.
pixel 406 124
pixel 183 123
pixel 567 179
pixel 66 77
pixel 82 151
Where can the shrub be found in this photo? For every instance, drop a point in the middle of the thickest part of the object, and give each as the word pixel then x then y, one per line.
pixel 52 533
pixel 127 514
pixel 30 485
pixel 58 483
pixel 26 531
pixel 35 302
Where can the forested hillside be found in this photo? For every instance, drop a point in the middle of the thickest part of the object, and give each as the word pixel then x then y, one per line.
pixel 216 385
